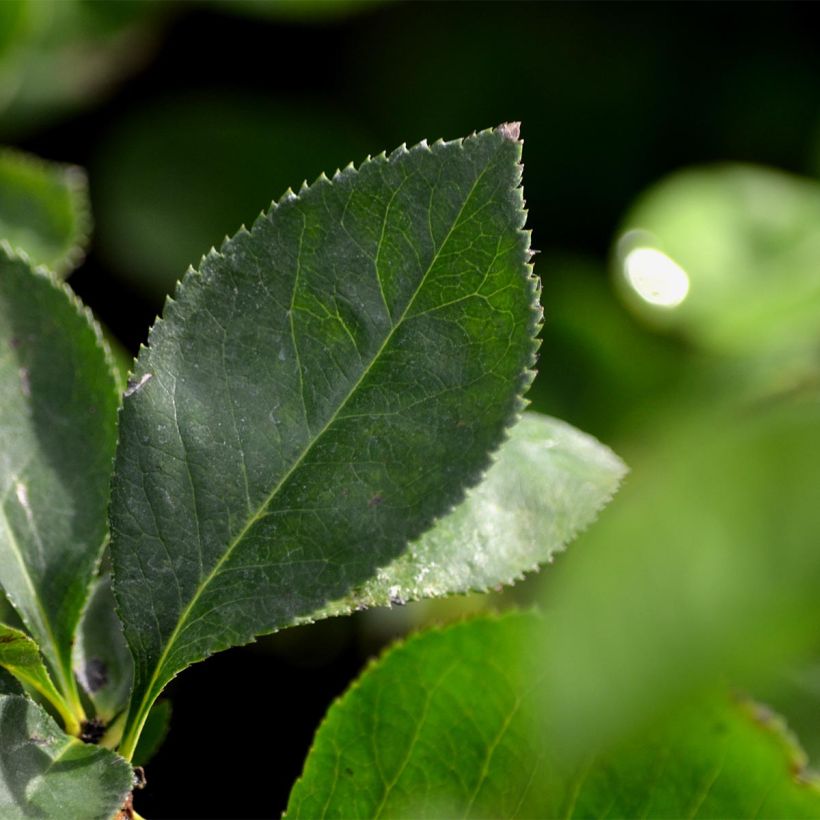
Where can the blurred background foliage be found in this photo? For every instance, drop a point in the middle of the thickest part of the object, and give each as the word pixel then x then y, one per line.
pixel 672 154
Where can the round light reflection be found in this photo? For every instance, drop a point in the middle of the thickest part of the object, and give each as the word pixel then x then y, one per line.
pixel 656 278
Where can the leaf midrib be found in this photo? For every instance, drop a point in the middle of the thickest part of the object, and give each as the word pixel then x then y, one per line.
pixel 147 698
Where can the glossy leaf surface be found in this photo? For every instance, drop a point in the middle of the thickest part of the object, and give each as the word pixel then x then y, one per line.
pixel 45 773
pixel 57 436
pixel 448 725
pixel 318 392
pixel 44 210
pixel 547 484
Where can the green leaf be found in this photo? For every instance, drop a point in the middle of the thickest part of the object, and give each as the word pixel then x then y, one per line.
pixel 547 484
pixel 21 657
pixel 448 725
pixel 102 661
pixel 44 210
pixel 154 733
pixel 726 255
pixel 46 773
pixel 57 437
pixel 319 391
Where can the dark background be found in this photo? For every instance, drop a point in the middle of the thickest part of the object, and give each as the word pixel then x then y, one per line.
pixel 229 108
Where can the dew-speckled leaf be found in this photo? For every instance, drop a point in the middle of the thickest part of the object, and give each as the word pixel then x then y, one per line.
pixel 317 393
pixel 44 210
pixel 57 437
pixel 20 656
pixel 548 482
pixel 47 774
pixel 447 725
pixel 102 661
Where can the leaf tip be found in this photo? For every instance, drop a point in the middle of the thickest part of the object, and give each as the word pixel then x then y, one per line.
pixel 510 131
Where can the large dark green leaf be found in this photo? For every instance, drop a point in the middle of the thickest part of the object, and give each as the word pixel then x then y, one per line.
pixel 57 436
pixel 319 391
pixel 546 485
pixel 44 210
pixel 45 773
pixel 447 725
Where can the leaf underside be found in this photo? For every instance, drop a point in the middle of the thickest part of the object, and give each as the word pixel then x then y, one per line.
pixel 450 725
pixel 46 773
pixel 316 394
pixel 44 210
pixel 57 437
pixel 102 661
pixel 548 482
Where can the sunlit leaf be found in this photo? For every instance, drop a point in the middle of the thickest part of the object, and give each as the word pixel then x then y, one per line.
pixel 448 725
pixel 57 437
pixel 547 483
pixel 318 392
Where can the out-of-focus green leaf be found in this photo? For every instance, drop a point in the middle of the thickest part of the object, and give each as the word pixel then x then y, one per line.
pixel 12 17
pixel 727 255
pixel 706 564
pixel 448 725
pixel 154 733
pixel 57 438
pixel 20 656
pixel 794 692
pixel 318 11
pixel 605 372
pixel 158 169
pixel 548 482
pixel 45 773
pixel 60 54
pixel 102 660
pixel 44 210
pixel 395 310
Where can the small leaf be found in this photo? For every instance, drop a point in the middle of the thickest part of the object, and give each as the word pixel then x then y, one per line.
pixel 46 773
pixel 447 725
pixel 102 661
pixel 154 733
pixel 57 436
pixel 323 388
pixel 20 656
pixel 547 484
pixel 44 210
